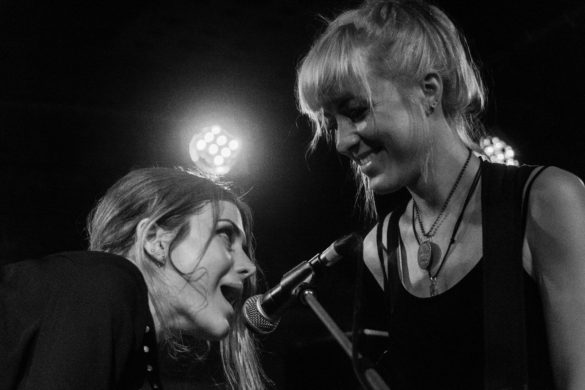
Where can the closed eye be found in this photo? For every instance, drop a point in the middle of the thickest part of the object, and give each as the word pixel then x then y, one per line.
pixel 356 114
pixel 356 109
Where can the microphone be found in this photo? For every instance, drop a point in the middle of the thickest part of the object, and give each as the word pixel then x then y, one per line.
pixel 262 312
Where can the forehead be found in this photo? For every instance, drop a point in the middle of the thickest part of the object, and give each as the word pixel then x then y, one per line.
pixel 376 90
pixel 226 211
pixel 230 212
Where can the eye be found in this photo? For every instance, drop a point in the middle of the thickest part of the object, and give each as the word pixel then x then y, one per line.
pixel 356 114
pixel 228 235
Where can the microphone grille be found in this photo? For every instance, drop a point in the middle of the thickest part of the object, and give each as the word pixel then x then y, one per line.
pixel 256 320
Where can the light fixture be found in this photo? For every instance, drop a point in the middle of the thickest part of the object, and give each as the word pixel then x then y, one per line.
pixel 498 151
pixel 214 150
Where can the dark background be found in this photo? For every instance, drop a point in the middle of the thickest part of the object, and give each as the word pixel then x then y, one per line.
pixel 89 90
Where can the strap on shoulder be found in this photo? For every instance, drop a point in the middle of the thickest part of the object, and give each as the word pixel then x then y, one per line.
pixel 503 283
pixel 390 270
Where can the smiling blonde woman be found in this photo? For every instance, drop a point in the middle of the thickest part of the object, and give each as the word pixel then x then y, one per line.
pixel 482 267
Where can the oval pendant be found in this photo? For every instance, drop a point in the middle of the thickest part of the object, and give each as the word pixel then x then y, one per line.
pixel 425 255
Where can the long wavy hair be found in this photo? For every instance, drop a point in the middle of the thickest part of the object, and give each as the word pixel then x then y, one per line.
pixel 168 197
pixel 398 40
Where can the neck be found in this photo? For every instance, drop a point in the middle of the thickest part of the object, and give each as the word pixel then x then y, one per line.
pixel 431 191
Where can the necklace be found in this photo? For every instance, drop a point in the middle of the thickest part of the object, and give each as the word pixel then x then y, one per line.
pixel 425 249
pixel 433 278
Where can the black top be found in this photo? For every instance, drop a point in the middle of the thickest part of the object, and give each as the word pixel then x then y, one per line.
pixel 440 342
pixel 76 320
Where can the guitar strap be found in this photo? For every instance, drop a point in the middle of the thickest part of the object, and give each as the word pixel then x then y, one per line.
pixel 390 270
pixel 503 216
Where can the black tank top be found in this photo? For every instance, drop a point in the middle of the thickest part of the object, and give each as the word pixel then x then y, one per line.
pixel 439 342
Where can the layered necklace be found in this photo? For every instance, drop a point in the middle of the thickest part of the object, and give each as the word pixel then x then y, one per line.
pixel 427 247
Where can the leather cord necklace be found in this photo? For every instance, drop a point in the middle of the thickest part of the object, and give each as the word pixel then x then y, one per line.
pixel 428 263
pixel 425 249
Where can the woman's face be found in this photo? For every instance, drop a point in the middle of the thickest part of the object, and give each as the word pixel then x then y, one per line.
pixel 205 298
pixel 381 140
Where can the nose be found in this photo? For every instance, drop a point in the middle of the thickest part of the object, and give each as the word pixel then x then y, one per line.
pixel 346 136
pixel 244 266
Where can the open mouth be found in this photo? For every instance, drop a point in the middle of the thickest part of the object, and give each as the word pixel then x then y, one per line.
pixel 232 293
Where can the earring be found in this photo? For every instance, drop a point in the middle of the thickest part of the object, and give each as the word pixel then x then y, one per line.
pixel 157 255
pixel 432 106
pixel 160 263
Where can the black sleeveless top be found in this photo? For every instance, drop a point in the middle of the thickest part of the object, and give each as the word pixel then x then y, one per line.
pixel 440 342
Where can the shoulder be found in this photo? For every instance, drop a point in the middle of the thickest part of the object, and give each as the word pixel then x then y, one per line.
pixel 371 239
pixel 556 217
pixel 556 193
pixel 96 276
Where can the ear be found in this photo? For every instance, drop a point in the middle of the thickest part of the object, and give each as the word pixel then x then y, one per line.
pixel 432 88
pixel 157 240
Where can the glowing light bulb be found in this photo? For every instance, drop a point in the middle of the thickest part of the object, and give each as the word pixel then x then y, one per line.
pixel 218 160
pixel 234 144
pixel 213 149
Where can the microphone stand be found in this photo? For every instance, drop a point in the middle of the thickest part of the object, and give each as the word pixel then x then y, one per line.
pixel 307 296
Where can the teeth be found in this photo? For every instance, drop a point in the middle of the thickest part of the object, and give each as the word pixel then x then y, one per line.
pixel 360 125
pixel 365 160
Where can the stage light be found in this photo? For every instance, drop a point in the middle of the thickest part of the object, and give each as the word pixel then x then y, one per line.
pixel 208 151
pixel 234 144
pixel 201 144
pixel 498 151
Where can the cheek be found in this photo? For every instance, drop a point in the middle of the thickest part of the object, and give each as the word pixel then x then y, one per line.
pixel 185 259
pixel 218 262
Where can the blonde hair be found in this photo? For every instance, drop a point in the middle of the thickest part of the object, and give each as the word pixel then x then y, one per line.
pixel 168 198
pixel 401 41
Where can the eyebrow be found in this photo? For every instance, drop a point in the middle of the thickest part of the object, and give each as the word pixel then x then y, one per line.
pixel 234 226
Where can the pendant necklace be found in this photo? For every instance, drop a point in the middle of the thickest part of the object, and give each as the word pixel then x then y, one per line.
pixel 425 249
pixel 428 250
pixel 433 277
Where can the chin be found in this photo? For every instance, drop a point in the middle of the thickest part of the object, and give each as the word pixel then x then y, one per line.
pixel 217 331
pixel 381 186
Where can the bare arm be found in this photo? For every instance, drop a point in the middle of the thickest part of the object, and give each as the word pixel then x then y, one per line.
pixel 555 233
